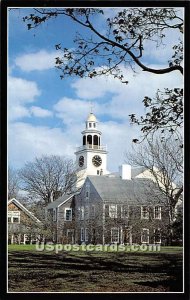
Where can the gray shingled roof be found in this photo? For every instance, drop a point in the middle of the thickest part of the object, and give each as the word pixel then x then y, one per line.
pixel 136 190
pixel 59 201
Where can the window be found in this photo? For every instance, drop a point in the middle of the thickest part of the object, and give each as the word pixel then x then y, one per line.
pixel 54 214
pixel 68 214
pixel 144 212
pixel 93 211
pixel 114 235
pixel 86 212
pixel 98 172
pixel 94 125
pixel 87 190
pixel 95 141
pixel 90 124
pixel 86 234
pixel 82 234
pixel 82 213
pixel 70 236
pixel 14 217
pixel 157 212
pixel 145 236
pixel 124 211
pixel 157 236
pixel 113 211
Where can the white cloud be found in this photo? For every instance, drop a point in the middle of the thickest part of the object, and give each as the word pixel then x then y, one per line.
pixel 93 88
pixel 123 99
pixel 39 61
pixel 118 138
pixel 37 111
pixel 72 110
pixel 21 92
pixel 27 141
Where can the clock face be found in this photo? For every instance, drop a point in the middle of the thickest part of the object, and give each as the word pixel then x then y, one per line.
pixel 81 161
pixel 96 160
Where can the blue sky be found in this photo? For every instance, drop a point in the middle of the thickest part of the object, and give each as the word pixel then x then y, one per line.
pixel 47 114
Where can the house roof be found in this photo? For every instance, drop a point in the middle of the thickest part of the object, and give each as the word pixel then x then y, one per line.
pixel 61 200
pixel 24 209
pixel 136 190
pixel 136 171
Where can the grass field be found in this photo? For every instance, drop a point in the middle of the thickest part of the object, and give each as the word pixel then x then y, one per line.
pixel 33 271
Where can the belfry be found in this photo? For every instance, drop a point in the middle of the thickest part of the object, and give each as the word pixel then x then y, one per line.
pixel 91 157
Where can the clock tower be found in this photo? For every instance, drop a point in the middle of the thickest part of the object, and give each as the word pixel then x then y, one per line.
pixel 91 157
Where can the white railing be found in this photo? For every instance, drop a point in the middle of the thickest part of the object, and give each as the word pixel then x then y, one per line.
pixel 94 147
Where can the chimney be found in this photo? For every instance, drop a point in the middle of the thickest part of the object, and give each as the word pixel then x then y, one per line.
pixel 125 172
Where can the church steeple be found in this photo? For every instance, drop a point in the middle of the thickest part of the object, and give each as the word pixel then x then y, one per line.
pixel 91 157
pixel 91 135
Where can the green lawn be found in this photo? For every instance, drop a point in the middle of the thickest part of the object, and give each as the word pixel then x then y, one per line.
pixel 163 249
pixel 33 271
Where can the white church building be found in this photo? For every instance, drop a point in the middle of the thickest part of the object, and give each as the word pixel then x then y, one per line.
pixel 124 207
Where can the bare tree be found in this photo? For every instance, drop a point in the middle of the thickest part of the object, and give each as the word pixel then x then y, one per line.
pixel 49 177
pixel 47 228
pixel 164 160
pixel 13 183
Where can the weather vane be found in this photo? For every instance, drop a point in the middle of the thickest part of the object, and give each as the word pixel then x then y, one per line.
pixel 91 106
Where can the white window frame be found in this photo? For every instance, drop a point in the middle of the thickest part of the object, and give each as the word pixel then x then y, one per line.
pixel 54 214
pixel 86 234
pixel 143 242
pixel 160 236
pixel 142 217
pixel 159 212
pixel 86 211
pixel 111 213
pixel 82 234
pixel 68 209
pixel 14 214
pixel 115 241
